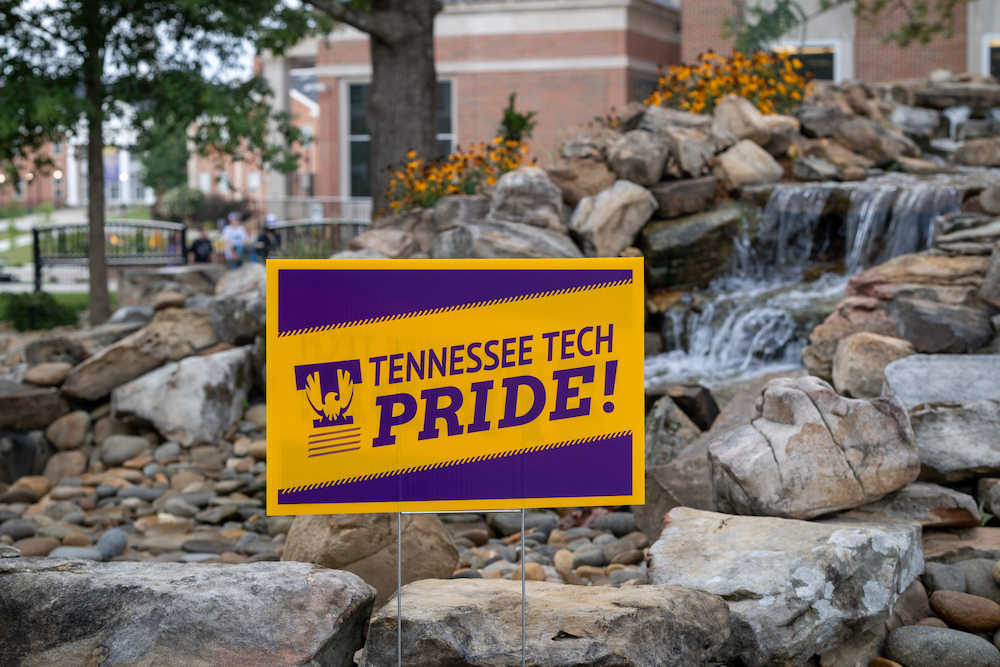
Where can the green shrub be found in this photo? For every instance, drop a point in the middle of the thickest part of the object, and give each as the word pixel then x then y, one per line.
pixel 179 204
pixel 32 311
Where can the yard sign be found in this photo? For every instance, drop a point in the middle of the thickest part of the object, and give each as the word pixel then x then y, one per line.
pixel 453 384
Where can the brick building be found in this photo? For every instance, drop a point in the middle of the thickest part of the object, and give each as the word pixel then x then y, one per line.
pixel 837 46
pixel 568 60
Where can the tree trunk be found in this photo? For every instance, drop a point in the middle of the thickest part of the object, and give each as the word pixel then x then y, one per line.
pixel 100 306
pixel 402 98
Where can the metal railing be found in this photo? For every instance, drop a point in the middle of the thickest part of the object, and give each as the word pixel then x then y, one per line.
pixel 315 239
pixel 127 243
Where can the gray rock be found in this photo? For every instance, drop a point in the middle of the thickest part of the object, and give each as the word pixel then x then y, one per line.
pixel 954 409
pixel 979 578
pixel 198 301
pixel 140 314
pixel 989 292
pixel 745 164
pixel 815 169
pixel 930 505
pixel 365 544
pixel 638 156
pixel 690 251
pixel 478 621
pixel 509 523
pixel 916 646
pixel 979 153
pixel 455 210
pixel 193 401
pixel 860 361
pixel 874 141
pixel 167 450
pixel 607 224
pixel 794 588
pixel 689 151
pixel 500 240
pixel 668 432
pixel 74 346
pixel 785 133
pixel 238 321
pixel 117 611
pixel 134 285
pixel 245 282
pixel 393 243
pixel 141 492
pixel 364 253
pixel 943 577
pixel 692 195
pixel 113 543
pixel 172 335
pixel 580 146
pixel 179 507
pixel 820 121
pixel 742 118
pixel 580 177
pixel 657 119
pixel 938 327
pixel 7 551
pixel 589 556
pixel 77 553
pixel 18 529
pixel 619 523
pixel 118 449
pixel 24 407
pixel 809 451
pixel 916 121
pixel 527 195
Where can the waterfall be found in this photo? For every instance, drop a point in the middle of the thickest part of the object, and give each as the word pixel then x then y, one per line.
pixel 956 115
pixel 867 219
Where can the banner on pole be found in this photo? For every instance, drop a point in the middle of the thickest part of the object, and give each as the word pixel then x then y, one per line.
pixel 454 384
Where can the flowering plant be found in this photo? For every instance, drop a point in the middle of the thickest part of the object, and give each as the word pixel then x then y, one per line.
pixel 422 182
pixel 771 81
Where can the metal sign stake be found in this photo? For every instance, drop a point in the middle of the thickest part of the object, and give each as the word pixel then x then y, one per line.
pixel 399 581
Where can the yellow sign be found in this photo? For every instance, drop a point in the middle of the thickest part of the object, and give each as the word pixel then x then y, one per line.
pixel 454 384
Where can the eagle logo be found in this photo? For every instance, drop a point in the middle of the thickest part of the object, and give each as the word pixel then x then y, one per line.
pixel 333 404
pixel 329 389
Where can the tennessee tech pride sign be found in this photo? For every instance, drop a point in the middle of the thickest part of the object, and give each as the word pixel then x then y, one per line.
pixel 453 384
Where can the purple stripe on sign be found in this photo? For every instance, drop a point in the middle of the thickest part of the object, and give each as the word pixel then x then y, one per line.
pixel 313 298
pixel 599 467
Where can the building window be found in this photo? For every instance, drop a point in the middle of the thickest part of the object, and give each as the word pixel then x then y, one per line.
pixel 224 184
pixel 57 148
pixel 58 188
pixel 205 182
pixel 820 60
pixel 993 56
pixel 140 189
pixel 360 139
pixel 114 191
pixel 253 181
pixel 642 87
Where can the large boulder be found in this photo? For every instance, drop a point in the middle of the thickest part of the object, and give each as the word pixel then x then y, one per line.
pixel 607 224
pixel 245 282
pixel 529 196
pixel 580 177
pixel 820 121
pixel 860 361
pixel 58 612
pixel 72 347
pixel 794 588
pixel 172 335
pixel 454 210
pixel 954 407
pixel 668 432
pixel 939 327
pixel 743 119
pixel 816 169
pixel 745 164
pixel 854 314
pixel 365 544
pixel 136 285
pixel 193 401
pixel 24 407
pixel 900 274
pixel 989 291
pixel 809 451
pixel 916 122
pixel 657 118
pixel 478 622
pixel 238 321
pixel 638 156
pixel 875 141
pixel 690 251
pixel 979 153
pixel 502 240
pixel 689 151
pixel 691 195
pixel 785 133
pixel 393 243
pixel 930 505
pixel 831 151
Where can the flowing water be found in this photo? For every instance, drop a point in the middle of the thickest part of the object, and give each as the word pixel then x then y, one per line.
pixel 757 317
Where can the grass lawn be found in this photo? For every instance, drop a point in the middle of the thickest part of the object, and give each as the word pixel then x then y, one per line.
pixel 18 256
pixel 80 300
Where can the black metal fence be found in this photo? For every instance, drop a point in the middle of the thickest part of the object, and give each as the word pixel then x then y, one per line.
pixel 316 239
pixel 127 243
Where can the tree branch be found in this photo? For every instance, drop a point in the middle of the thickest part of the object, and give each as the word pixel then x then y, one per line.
pixel 344 13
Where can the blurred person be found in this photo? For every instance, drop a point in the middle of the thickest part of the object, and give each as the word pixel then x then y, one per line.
pixel 202 247
pixel 235 238
pixel 269 238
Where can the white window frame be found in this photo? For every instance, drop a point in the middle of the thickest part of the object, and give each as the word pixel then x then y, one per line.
pixel 205 182
pixel 984 62
pixel 838 52
pixel 344 126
